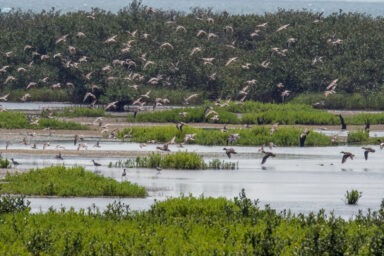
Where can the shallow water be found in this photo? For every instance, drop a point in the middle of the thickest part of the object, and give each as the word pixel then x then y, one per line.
pixel 300 179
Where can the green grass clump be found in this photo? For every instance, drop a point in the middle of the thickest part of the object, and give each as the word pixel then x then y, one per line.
pixel 62 181
pixel 187 226
pixel 4 163
pixel 353 196
pixel 255 106
pixel 291 117
pixel 194 115
pixel 80 111
pixel 17 120
pixel 358 136
pixel 284 136
pixel 178 161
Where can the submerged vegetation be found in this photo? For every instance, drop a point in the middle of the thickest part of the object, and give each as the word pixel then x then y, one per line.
pixel 62 181
pixel 349 51
pixel 284 136
pixel 178 161
pixel 187 225
pixel 353 196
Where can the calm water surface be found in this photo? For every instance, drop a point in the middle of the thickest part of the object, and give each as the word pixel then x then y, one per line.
pixel 300 179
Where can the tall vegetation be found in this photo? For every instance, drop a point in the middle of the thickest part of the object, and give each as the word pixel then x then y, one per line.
pixel 356 61
pixel 188 226
pixel 284 136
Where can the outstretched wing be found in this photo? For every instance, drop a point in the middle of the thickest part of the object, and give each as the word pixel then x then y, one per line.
pixel 228 154
pixel 344 159
pixel 366 154
pixel 265 159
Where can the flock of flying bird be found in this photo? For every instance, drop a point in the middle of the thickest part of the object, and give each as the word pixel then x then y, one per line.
pixel 70 59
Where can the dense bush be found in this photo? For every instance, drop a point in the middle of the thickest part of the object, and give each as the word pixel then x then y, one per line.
pixel 356 62
pixel 61 181
pixel 284 136
pixel 190 226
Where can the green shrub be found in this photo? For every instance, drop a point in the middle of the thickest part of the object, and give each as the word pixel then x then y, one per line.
pixel 61 181
pixel 10 204
pixel 189 225
pixel 4 163
pixel 353 196
pixel 358 136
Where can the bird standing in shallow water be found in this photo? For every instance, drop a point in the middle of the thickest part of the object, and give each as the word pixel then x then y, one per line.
pixel 158 169
pixel 14 162
pixel 367 151
pixel 95 163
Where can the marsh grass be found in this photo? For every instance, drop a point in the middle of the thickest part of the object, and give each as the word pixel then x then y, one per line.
pixel 18 120
pixel 80 112
pixel 178 161
pixel 353 196
pixel 353 101
pixel 358 137
pixel 284 136
pixel 62 181
pixel 43 94
pixel 194 115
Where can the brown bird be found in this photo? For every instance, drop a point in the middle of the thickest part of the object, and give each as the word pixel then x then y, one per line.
pixel 25 97
pixel 186 100
pixel 229 151
pixel 346 155
pixel 62 39
pixel 282 27
pixel 181 28
pixel 195 50
pixel 166 45
pixel 111 105
pixel 266 156
pixel 163 148
pixel 146 95
pixel 244 90
pixel 230 60
pixel 111 40
pixel 87 95
pixel 4 98
pixel 367 151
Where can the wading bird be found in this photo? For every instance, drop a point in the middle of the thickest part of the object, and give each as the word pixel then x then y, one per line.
pixel 303 137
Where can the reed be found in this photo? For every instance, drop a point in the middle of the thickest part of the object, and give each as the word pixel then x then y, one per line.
pixel 178 161
pixel 284 136
pixel 80 111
